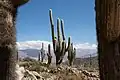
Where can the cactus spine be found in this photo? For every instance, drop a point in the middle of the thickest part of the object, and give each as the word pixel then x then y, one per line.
pixel 59 45
pixel 49 55
pixel 42 52
pixel 71 54
pixel 108 37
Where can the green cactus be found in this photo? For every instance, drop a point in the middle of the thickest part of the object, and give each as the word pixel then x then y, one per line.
pixel 49 55
pixel 59 45
pixel 39 56
pixel 17 54
pixel 71 54
pixel 42 52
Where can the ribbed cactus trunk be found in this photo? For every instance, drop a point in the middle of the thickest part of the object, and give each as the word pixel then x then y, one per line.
pixel 8 54
pixel 49 55
pixel 42 53
pixel 108 37
pixel 71 54
pixel 17 55
pixel 90 60
pixel 59 45
pixel 39 56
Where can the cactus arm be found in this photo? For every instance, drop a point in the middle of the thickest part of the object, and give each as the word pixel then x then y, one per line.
pixel 56 48
pixel 49 51
pixel 43 46
pixel 62 52
pixel 71 55
pixel 72 47
pixel 74 52
pixel 69 51
pixel 63 48
pixel 58 29
pixel 52 29
pixel 68 44
pixel 58 34
pixel 49 55
pixel 62 29
pixel 39 56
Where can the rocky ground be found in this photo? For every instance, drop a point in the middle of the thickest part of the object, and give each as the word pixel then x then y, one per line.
pixel 33 70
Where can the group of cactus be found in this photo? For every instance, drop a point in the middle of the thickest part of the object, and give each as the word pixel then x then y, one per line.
pixel 59 44
pixel 42 54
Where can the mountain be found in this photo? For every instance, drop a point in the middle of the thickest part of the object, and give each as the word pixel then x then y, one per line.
pixel 31 49
pixel 31 52
pixel 87 62
pixel 35 52
pixel 22 54
pixel 33 46
pixel 85 52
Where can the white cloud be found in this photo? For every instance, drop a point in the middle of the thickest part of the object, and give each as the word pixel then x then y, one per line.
pixel 85 46
pixel 32 44
pixel 37 45
pixel 82 48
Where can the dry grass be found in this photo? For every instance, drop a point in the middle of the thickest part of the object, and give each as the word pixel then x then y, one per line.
pixel 60 74
pixel 64 76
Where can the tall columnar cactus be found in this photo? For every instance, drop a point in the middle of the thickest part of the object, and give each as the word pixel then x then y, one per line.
pixel 59 45
pixel 39 55
pixel 71 54
pixel 17 54
pixel 42 52
pixel 8 53
pixel 108 37
pixel 90 60
pixel 49 55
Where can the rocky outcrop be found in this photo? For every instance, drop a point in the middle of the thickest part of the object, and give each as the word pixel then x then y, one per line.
pixel 55 73
pixel 24 74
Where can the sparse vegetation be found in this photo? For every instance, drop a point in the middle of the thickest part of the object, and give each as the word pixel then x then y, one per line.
pixel 58 73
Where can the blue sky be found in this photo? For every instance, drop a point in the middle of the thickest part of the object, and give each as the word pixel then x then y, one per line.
pixel 79 18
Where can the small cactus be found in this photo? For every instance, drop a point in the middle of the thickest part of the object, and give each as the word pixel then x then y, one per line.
pixel 59 45
pixel 71 54
pixel 42 52
pixel 49 55
pixel 39 56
